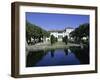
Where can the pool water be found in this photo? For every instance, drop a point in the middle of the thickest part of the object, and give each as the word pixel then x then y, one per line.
pixel 57 57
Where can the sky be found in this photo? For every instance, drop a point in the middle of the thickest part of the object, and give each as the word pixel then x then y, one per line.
pixel 52 21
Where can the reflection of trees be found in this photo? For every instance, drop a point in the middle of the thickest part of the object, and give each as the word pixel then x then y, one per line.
pixel 81 54
pixel 34 57
pixel 52 53
pixel 66 51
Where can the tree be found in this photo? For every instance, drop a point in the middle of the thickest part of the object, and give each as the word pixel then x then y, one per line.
pixel 35 32
pixel 80 32
pixel 65 39
pixel 53 39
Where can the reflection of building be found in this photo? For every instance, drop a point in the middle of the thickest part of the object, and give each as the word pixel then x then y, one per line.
pixel 59 34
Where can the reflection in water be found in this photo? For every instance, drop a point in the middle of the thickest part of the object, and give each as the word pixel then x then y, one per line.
pixel 66 51
pixel 72 56
pixel 52 53
pixel 81 53
pixel 34 57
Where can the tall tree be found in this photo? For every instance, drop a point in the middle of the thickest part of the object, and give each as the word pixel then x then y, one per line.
pixel 35 32
pixel 80 32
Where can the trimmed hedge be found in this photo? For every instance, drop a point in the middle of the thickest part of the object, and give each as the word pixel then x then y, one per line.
pixel 65 39
pixel 53 39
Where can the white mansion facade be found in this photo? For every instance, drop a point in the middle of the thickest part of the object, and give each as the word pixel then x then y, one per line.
pixel 59 34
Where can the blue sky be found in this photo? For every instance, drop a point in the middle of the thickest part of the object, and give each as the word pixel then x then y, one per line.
pixel 50 21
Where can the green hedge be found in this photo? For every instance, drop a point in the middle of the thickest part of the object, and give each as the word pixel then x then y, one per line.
pixel 53 39
pixel 65 39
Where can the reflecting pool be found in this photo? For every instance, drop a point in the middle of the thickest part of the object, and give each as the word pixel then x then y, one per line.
pixel 71 56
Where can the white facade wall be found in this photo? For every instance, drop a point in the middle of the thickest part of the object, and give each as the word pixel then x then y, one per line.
pixel 47 39
pixel 68 31
pixel 59 35
pixel 54 34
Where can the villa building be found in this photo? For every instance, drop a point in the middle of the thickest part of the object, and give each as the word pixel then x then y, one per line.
pixel 59 34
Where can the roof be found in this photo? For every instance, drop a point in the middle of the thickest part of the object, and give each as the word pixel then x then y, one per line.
pixel 61 30
pixel 69 28
pixel 56 31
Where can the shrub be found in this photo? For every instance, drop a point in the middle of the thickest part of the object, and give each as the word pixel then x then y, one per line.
pixel 65 39
pixel 53 39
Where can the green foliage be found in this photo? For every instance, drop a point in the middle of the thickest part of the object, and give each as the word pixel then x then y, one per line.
pixel 53 39
pixel 35 32
pixel 65 39
pixel 38 56
pixel 56 39
pixel 80 32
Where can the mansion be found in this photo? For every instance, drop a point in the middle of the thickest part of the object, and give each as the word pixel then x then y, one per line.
pixel 59 34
